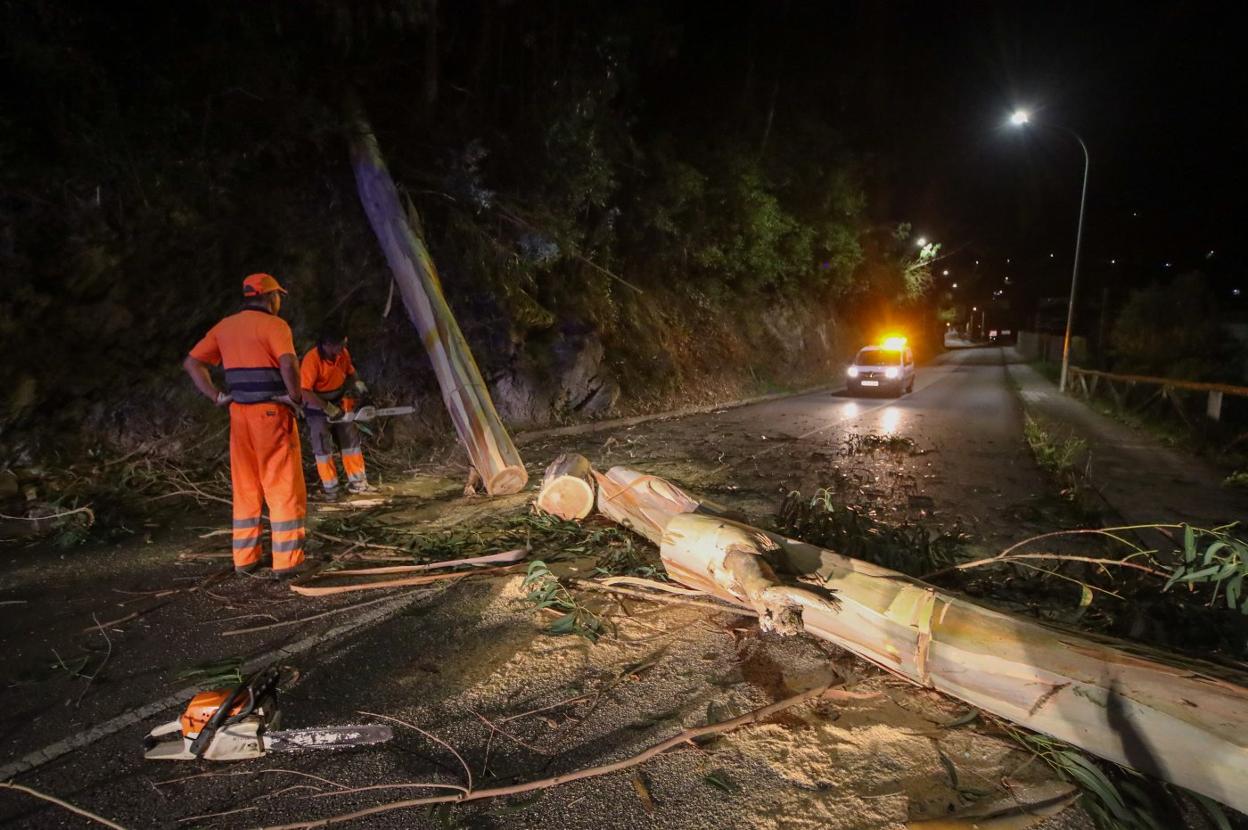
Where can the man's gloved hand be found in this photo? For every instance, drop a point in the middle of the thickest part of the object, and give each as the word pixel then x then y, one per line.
pixel 332 410
pixel 224 398
pixel 361 388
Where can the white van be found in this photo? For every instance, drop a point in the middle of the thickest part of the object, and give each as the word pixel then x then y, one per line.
pixel 886 368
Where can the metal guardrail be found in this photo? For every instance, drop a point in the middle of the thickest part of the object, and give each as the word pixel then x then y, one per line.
pixel 1089 380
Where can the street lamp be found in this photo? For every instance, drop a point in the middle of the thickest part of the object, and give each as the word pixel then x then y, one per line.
pixel 1019 119
pixel 921 242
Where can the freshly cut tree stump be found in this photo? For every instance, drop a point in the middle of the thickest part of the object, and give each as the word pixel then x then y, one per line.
pixel 568 487
pixel 490 448
pixel 1180 720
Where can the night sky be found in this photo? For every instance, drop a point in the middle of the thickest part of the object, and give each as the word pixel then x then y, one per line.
pixel 1156 91
pixel 924 91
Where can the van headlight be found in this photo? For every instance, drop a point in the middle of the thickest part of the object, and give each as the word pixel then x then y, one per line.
pixel 890 373
pixel 852 371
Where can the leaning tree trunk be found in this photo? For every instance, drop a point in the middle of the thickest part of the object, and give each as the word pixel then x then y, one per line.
pixel 568 487
pixel 490 448
pixel 1171 718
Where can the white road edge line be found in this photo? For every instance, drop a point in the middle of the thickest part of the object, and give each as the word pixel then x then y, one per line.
pixel 179 698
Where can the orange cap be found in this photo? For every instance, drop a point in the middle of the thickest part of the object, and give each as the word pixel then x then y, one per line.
pixel 258 284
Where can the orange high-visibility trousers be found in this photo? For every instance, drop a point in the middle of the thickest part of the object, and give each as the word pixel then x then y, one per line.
pixel 323 433
pixel 266 468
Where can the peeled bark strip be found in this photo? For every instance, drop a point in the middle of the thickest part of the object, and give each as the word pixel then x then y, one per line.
pixel 307 590
pixel 568 487
pixel 489 446
pixel 645 503
pixel 1171 718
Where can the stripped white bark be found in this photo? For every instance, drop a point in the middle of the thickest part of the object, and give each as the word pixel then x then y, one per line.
pixel 640 502
pixel 1176 719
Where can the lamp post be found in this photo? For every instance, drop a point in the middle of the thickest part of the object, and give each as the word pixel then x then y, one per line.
pixel 1021 118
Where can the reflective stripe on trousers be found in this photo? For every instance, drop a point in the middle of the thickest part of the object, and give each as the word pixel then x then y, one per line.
pixel 247 549
pixel 328 473
pixel 266 468
pixel 323 434
pixel 353 465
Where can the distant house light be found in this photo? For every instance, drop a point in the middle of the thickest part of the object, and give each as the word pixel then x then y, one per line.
pixel 1235 292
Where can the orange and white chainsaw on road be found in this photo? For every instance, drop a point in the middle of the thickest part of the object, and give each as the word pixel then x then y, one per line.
pixel 240 723
pixel 369 413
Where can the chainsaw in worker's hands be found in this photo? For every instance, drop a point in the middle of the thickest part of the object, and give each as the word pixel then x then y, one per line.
pixel 369 413
pixel 241 722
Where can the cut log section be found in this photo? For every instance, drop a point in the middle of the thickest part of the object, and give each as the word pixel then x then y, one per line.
pixel 490 448
pixel 568 487
pixel 1179 720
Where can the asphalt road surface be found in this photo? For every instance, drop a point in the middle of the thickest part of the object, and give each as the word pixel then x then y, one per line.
pixel 456 658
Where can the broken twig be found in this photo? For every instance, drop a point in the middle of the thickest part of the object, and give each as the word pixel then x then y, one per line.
pixel 684 736
pixel 9 785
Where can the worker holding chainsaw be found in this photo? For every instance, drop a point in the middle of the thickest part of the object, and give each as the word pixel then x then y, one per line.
pixel 258 353
pixel 331 390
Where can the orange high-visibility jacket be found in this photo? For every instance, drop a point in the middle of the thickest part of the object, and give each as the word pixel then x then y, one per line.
pixel 248 344
pixel 327 378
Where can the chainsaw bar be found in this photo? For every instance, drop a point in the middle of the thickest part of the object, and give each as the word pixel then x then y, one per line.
pixel 369 413
pixel 328 737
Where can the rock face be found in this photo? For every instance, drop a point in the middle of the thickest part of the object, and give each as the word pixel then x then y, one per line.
pixel 566 378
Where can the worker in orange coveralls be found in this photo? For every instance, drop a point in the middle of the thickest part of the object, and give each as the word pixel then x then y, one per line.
pixel 258 353
pixel 330 388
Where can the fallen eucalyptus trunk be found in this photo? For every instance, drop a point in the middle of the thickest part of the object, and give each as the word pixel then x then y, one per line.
pixel 1170 718
pixel 644 503
pixel 568 487
pixel 490 448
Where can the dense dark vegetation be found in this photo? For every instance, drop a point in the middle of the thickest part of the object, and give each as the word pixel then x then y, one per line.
pixel 620 213
pixel 1177 329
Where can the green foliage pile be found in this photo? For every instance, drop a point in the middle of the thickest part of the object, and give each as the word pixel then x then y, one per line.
pixel 912 548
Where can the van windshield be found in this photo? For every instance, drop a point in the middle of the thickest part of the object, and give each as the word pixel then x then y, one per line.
pixel 878 357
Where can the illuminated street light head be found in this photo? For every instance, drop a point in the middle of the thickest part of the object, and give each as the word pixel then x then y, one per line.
pixel 1020 117
pixel 921 242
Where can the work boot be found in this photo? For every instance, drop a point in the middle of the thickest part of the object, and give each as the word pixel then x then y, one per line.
pixel 291 573
pixel 246 570
pixel 359 488
pixel 330 496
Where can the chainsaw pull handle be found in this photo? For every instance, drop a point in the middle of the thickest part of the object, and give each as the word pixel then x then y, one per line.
pixel 254 687
pixel 200 744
